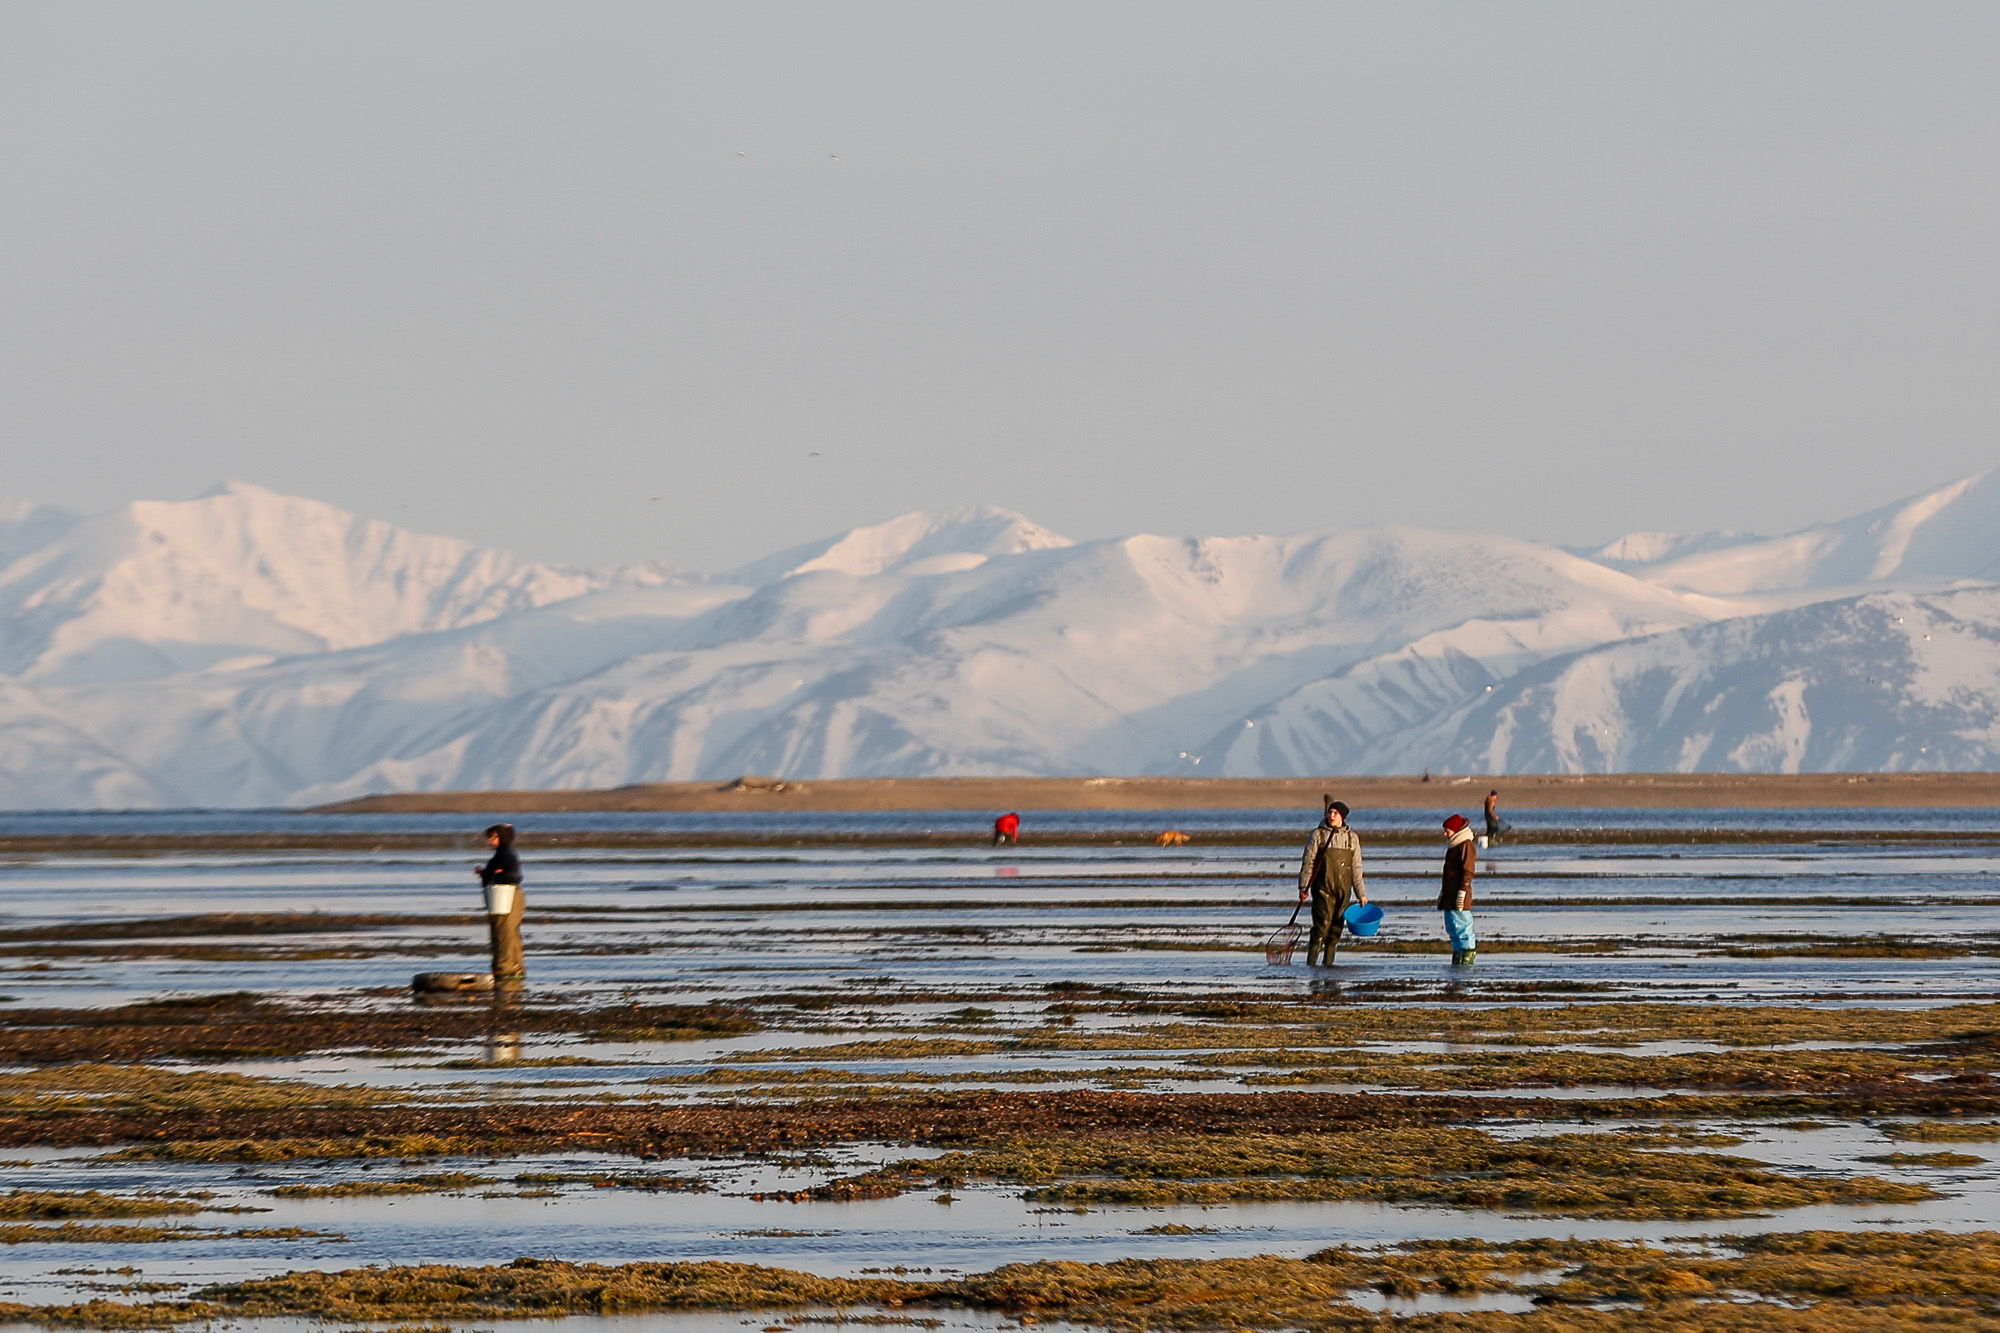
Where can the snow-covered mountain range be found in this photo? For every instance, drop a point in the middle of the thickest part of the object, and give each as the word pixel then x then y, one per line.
pixel 250 648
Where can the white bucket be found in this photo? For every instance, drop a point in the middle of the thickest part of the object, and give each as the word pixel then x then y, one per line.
pixel 500 898
pixel 1482 842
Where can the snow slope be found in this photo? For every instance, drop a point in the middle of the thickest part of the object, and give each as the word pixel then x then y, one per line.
pixel 1110 656
pixel 160 587
pixel 1884 681
pixel 249 648
pixel 1946 534
pixel 923 543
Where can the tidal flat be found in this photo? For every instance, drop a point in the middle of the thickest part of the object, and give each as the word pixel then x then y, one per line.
pixel 1716 1083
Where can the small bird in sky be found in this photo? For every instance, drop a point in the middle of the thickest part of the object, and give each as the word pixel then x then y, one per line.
pixel 834 156
pixel 739 152
pixel 813 454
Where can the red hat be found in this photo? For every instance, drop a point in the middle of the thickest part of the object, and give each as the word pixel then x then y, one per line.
pixel 1454 824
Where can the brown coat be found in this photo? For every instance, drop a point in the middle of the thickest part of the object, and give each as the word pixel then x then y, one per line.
pixel 1461 858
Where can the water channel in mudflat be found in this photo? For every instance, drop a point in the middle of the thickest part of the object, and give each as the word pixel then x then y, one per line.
pixel 1650 920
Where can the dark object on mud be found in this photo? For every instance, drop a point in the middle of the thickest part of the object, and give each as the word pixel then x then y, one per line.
pixel 451 983
pixel 750 782
pixel 1278 949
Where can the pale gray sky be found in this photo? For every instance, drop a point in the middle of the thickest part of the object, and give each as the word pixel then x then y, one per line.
pixel 508 271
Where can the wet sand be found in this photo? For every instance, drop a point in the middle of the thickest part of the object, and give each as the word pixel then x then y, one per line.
pixel 1645 791
pixel 843 1062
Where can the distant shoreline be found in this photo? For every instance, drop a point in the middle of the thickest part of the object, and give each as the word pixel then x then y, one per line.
pixel 1621 791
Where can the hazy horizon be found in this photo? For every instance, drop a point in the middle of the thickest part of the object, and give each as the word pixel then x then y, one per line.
pixel 508 272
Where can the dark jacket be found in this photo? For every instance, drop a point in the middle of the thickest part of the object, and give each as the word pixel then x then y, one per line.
pixel 1461 858
pixel 504 868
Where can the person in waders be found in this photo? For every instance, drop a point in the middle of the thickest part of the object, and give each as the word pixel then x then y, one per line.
pixel 504 867
pixel 1495 826
pixel 1461 858
pixel 1329 873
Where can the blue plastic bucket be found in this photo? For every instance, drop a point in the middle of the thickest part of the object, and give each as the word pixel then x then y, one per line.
pixel 1363 918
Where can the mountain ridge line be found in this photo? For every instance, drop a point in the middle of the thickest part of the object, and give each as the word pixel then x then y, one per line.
pixel 1612 791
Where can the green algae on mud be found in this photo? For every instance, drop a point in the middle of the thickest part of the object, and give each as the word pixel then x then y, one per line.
pixel 1571 1175
pixel 142 1088
pixel 293 1150
pixel 53 1204
pixel 443 1182
pixel 1480 1071
pixel 89 1233
pixel 1761 1047
pixel 1257 1023
pixel 242 1025
pixel 1885 1282
pixel 1945 1131
pixel 1925 1159
pixel 1260 1022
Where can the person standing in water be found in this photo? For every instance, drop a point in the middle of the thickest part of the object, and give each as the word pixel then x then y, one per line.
pixel 1495 826
pixel 1461 858
pixel 1328 873
pixel 1007 829
pixel 504 867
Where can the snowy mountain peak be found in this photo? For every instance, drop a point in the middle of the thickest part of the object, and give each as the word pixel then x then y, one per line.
pixel 1635 550
pixel 249 647
pixel 961 538
pixel 168 585
pixel 1948 533
pixel 923 542
pixel 230 486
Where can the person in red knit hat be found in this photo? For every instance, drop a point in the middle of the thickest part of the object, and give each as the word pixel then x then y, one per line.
pixel 1461 858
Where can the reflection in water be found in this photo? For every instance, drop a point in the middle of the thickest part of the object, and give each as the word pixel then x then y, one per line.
pixel 945 925
pixel 720 923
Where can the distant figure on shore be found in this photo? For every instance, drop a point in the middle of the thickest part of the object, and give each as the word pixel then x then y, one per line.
pixel 1495 826
pixel 1328 873
pixel 1461 858
pixel 1007 829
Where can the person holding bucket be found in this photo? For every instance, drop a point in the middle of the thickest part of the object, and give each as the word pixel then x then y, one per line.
pixel 500 877
pixel 1461 858
pixel 1329 872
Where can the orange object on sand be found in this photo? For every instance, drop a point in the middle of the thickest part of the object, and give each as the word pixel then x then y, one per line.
pixel 1173 837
